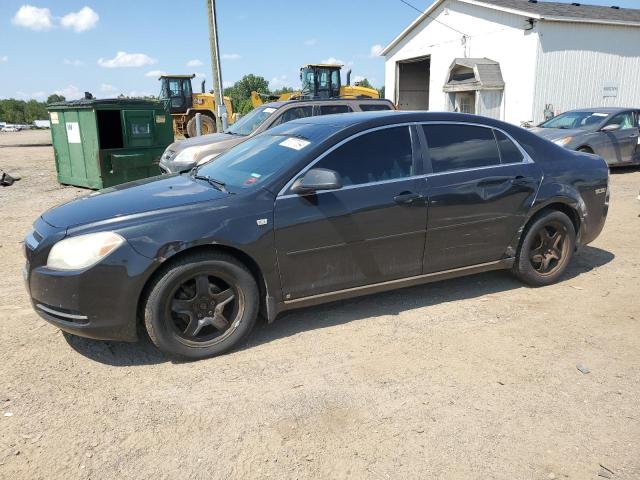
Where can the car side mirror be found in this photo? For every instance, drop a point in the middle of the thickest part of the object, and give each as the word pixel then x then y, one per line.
pixel 612 127
pixel 315 180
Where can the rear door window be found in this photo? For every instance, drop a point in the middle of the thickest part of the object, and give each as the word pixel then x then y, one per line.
pixel 374 107
pixel 509 153
pixel 331 109
pixel 459 147
pixel 293 114
pixel 373 157
pixel 624 119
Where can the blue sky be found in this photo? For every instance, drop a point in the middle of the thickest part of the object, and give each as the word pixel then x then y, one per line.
pixel 70 46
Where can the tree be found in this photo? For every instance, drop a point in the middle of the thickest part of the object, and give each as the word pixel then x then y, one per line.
pixel 55 98
pixel 240 92
pixel 364 83
pixel 381 91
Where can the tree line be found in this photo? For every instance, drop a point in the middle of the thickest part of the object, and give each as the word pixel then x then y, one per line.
pixel 24 112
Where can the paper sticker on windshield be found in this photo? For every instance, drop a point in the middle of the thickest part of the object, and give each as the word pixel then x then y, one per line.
pixel 600 114
pixel 269 110
pixel 295 143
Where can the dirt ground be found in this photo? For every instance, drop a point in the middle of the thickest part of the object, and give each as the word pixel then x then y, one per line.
pixel 468 378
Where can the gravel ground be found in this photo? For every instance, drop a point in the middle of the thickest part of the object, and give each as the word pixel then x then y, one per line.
pixel 469 378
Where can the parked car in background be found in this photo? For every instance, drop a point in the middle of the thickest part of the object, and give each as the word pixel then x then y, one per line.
pixel 10 129
pixel 183 155
pixel 612 133
pixel 312 211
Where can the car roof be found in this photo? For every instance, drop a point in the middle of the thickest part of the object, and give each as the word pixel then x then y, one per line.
pixel 602 110
pixel 310 126
pixel 282 103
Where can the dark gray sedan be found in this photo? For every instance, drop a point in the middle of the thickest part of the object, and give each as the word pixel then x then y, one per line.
pixel 611 133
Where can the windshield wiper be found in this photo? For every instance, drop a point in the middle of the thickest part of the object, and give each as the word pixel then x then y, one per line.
pixel 212 181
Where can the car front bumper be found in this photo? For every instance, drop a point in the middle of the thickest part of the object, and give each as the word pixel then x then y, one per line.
pixel 100 302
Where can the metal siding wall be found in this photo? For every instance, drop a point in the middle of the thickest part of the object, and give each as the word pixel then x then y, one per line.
pixel 576 60
pixel 490 103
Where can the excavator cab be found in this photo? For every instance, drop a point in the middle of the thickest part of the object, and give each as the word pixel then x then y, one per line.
pixel 320 81
pixel 177 89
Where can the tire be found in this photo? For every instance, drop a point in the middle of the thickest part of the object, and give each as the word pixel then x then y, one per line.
pixel 540 247
pixel 201 306
pixel 208 125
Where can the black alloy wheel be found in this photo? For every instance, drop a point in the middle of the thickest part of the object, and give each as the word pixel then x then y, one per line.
pixel 549 249
pixel 546 248
pixel 201 305
pixel 204 309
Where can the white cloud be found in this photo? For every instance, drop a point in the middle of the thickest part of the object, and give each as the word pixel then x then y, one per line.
pixel 80 21
pixel 33 18
pixel 231 56
pixel 194 63
pixel 333 61
pixel 201 75
pixel 155 73
pixel 70 93
pixel 126 60
pixel 74 62
pixel 310 42
pixel 278 82
pixel 375 50
pixel 4 59
pixel 227 83
pixel 107 88
pixel 358 78
pixel 39 95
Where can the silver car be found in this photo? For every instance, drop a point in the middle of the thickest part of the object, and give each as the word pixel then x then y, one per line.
pixel 612 133
pixel 183 155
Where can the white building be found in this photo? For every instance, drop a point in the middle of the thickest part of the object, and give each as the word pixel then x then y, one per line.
pixel 514 59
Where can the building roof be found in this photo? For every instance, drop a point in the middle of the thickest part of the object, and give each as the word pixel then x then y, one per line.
pixel 485 75
pixel 569 11
pixel 539 10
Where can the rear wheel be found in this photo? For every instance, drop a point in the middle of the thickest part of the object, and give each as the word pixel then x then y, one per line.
pixel 546 249
pixel 208 125
pixel 202 306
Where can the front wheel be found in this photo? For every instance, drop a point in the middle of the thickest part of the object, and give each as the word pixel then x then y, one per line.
pixel 202 306
pixel 546 249
pixel 208 125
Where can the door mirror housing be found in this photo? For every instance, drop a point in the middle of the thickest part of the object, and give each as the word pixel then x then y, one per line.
pixel 317 179
pixel 612 127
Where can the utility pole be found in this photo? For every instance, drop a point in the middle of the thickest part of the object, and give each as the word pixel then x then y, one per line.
pixel 221 114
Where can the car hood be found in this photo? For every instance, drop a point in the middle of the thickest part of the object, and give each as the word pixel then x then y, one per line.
pixel 557 133
pixel 221 141
pixel 145 195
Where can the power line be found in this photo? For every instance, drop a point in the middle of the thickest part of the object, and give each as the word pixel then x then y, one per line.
pixel 433 18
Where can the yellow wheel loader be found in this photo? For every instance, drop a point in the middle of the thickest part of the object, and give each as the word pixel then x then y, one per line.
pixel 184 104
pixel 319 81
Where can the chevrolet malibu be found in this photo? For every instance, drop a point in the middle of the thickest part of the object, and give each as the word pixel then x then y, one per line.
pixel 312 211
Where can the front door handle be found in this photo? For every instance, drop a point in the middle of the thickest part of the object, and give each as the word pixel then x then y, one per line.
pixel 407 198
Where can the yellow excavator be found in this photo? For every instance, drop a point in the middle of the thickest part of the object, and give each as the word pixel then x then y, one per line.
pixel 184 104
pixel 319 81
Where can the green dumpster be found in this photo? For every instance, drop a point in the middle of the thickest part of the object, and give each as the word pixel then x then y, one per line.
pixel 105 142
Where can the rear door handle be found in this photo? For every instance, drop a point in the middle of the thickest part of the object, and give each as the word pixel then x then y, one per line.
pixel 407 198
pixel 520 180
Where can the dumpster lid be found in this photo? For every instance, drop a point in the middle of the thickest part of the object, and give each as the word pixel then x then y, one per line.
pixel 97 102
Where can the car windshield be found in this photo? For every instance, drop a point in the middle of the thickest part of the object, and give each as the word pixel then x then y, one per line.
pixel 252 120
pixel 580 120
pixel 252 162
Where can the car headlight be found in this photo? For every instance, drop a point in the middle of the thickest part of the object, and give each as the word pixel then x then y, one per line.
pixel 83 251
pixel 208 158
pixel 563 141
pixel 187 156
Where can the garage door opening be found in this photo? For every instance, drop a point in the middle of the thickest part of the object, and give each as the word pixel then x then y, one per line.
pixel 413 84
